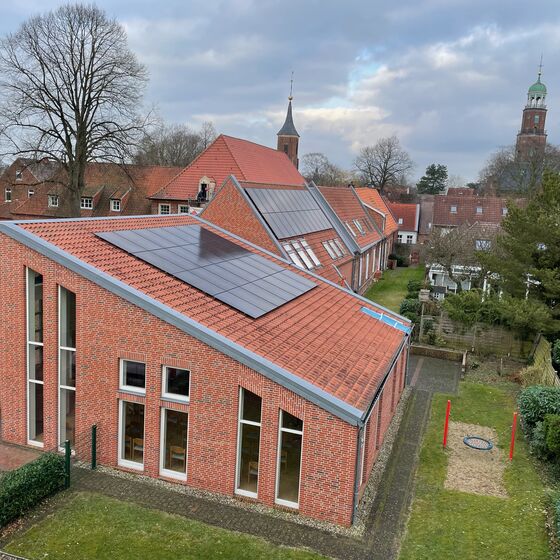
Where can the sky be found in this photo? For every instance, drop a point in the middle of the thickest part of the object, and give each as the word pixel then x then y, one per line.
pixel 448 77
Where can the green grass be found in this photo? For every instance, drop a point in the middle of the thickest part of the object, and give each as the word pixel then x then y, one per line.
pixel 93 527
pixel 390 290
pixel 448 524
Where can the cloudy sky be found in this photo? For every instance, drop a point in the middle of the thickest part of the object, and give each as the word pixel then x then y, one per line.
pixel 448 77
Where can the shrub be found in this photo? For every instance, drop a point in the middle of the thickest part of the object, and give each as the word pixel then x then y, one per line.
pixel 25 487
pixel 413 288
pixel 537 443
pixel 557 515
pixel 556 353
pixel 410 308
pixel 552 423
pixel 531 375
pixel 535 402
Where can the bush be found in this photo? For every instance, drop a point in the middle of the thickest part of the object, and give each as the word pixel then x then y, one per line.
pixel 531 375
pixel 413 288
pixel 557 515
pixel 552 423
pixel 25 487
pixel 410 308
pixel 556 354
pixel 535 402
pixel 537 443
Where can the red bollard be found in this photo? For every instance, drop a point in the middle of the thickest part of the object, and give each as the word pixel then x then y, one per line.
pixel 445 429
pixel 513 428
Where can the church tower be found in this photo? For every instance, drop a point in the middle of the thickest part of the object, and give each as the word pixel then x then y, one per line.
pixel 531 139
pixel 288 138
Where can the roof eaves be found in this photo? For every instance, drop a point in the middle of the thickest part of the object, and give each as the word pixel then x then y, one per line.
pixel 337 224
pixel 213 339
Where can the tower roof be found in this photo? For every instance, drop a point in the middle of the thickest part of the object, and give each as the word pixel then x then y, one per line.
pixel 538 86
pixel 288 128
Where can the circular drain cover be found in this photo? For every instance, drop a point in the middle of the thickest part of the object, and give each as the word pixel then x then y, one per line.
pixel 477 442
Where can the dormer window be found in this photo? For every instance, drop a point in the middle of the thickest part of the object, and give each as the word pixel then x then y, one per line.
pixel 8 195
pixel 359 226
pixel 350 229
pixel 86 203
pixel 30 193
pixel 19 175
pixel 454 209
pixel 115 205
pixel 53 201
pixel 479 210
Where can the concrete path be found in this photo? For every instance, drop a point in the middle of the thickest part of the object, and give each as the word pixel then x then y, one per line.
pixel 384 529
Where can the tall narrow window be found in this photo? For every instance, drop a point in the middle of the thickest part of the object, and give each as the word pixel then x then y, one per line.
pixel 248 443
pixel 131 435
pixel 289 460
pixel 35 357
pixel 7 195
pixel 67 365
pixel 173 446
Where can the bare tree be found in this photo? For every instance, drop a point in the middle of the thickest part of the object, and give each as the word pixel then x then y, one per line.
pixel 173 145
pixel 316 167
pixel 70 89
pixel 503 173
pixel 383 164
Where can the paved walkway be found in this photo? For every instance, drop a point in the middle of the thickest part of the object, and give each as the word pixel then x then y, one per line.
pixel 384 530
pixel 13 456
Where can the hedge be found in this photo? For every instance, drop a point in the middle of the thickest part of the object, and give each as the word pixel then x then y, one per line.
pixel 25 487
pixel 535 402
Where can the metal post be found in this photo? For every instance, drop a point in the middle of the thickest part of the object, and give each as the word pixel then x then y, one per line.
pixel 67 454
pixel 513 429
pixel 446 427
pixel 94 446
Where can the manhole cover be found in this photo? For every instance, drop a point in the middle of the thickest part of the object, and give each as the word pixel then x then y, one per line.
pixel 477 442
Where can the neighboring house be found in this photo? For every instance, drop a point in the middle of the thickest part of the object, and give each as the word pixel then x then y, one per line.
pixel 408 220
pixel 378 210
pixel 425 225
pixel 197 183
pixel 34 190
pixel 454 211
pixel 201 358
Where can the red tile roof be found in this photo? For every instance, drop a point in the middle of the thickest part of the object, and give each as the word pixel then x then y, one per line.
pixel 348 207
pixel 232 156
pixel 490 210
pixel 322 336
pixel 372 198
pixel 408 213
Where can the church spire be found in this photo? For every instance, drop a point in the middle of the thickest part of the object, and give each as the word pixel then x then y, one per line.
pixel 288 137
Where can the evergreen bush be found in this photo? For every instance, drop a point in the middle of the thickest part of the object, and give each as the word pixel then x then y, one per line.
pixel 535 402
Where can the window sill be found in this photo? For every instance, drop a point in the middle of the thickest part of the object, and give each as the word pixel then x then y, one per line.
pixel 131 465
pixel 35 443
pixel 175 399
pixel 173 475
pixel 133 391
pixel 246 494
pixel 286 504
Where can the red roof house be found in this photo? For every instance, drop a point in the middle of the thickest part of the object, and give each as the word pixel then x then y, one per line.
pixel 191 346
pixel 454 211
pixel 407 217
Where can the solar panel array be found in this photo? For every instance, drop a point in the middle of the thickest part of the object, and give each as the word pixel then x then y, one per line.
pixel 217 266
pixel 289 212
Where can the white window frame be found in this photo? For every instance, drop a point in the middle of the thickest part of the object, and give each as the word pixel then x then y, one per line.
pixel 399 237
pixel 162 470
pixel 86 203
pixel 367 264
pixel 35 443
pixel 340 246
pixel 453 209
pixel 329 250
pixel 504 211
pixel 52 200
pixel 277 500
pixel 400 221
pixel 302 254
pixel 310 252
pixel 115 205
pixel 479 210
pixel 293 255
pixel 335 249
pixel 240 421
pixel 363 450
pixel 7 194
pixel 183 209
pixel 19 175
pixel 409 239
pixel 360 282
pixel 350 228
pixel 60 349
pixel 163 205
pixel 374 255
pixel 30 193
pixel 174 397
pixel 129 388
pixel 359 226
pixel 120 460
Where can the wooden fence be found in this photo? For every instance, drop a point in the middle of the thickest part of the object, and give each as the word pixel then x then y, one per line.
pixel 542 359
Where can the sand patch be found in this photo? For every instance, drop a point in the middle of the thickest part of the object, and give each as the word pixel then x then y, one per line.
pixel 471 470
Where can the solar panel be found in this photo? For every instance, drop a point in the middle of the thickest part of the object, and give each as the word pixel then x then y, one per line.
pixel 217 266
pixel 289 212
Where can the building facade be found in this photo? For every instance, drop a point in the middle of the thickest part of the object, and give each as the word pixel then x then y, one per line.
pixel 248 397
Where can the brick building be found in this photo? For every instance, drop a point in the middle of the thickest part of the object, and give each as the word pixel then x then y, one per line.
pixel 35 189
pixel 408 221
pixel 202 358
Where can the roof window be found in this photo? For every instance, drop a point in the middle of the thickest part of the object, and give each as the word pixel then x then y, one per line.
pixel 454 209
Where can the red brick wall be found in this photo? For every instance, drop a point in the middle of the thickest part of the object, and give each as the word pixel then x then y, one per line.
pixel 229 210
pixel 109 328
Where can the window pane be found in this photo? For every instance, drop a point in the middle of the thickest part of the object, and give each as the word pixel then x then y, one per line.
pixel 133 432
pixel 289 466
pixel 134 374
pixel 36 362
pixel 249 458
pixel 67 318
pixel 291 422
pixel 68 368
pixel 35 307
pixel 36 411
pixel 175 425
pixel 67 416
pixel 177 381
pixel 251 409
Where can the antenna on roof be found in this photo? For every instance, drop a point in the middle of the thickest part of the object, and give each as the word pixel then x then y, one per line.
pixel 292 86
pixel 540 68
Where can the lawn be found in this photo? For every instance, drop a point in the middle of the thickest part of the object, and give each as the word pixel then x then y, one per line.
pixel 93 527
pixel 391 289
pixel 449 524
